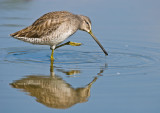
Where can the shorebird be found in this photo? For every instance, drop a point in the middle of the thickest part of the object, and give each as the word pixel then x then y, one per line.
pixel 53 28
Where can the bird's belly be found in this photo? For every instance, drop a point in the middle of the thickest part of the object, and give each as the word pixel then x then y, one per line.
pixel 60 37
pixel 54 38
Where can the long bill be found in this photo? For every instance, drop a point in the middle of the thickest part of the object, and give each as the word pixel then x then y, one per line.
pixel 105 52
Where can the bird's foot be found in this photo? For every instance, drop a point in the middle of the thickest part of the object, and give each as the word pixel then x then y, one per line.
pixel 74 43
pixel 69 43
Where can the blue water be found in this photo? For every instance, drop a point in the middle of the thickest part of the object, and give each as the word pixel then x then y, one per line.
pixel 83 79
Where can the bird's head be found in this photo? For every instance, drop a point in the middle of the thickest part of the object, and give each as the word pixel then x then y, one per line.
pixel 85 24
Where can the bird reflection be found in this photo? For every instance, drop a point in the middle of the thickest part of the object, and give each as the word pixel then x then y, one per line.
pixel 52 90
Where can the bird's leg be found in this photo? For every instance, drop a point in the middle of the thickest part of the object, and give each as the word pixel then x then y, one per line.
pixel 74 43
pixel 52 58
pixel 51 66
pixel 69 43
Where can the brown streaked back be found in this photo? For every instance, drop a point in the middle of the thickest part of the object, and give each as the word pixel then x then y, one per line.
pixel 44 25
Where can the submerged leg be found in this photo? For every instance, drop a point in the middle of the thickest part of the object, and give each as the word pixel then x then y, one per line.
pixel 69 43
pixel 52 58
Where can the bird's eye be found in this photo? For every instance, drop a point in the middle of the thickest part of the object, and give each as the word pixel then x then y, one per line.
pixel 87 23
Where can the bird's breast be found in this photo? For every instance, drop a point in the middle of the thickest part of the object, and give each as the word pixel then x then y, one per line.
pixel 60 35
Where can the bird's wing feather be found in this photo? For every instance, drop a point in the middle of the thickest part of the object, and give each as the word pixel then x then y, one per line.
pixel 41 27
pixel 37 31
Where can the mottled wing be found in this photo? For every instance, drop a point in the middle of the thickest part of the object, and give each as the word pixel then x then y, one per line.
pixel 41 27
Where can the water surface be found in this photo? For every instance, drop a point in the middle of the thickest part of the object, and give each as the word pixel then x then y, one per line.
pixel 83 79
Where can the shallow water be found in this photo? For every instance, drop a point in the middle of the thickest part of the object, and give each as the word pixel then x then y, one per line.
pixel 83 79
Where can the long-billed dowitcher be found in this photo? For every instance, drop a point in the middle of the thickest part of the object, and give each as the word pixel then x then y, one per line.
pixel 53 28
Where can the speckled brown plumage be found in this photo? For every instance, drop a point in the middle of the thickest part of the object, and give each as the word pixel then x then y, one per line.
pixel 46 28
pixel 53 28
pixel 44 25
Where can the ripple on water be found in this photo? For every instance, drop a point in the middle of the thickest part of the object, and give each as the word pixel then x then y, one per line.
pixel 90 59
pixel 36 55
